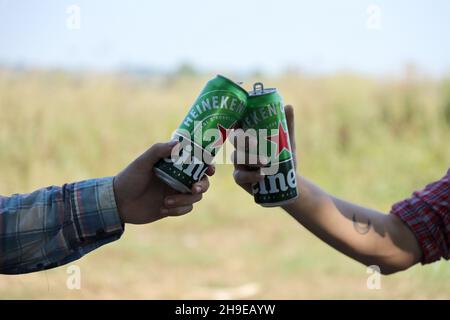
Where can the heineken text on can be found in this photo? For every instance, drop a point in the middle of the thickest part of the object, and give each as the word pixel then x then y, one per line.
pixel 265 114
pixel 217 109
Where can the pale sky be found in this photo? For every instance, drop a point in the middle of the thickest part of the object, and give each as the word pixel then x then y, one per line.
pixel 315 36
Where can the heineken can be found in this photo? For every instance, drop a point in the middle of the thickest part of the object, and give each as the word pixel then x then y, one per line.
pixel 265 115
pixel 218 108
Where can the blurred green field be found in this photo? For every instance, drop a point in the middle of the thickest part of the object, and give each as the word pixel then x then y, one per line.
pixel 369 140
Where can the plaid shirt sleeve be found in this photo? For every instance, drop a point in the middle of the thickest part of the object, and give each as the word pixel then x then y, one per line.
pixel 427 214
pixel 56 225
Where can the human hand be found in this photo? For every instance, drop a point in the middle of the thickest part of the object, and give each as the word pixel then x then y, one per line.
pixel 143 198
pixel 247 174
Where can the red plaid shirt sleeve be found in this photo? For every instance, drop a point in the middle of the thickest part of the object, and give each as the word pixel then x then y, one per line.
pixel 427 214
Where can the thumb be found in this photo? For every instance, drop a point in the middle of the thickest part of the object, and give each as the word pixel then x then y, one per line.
pixel 289 111
pixel 156 152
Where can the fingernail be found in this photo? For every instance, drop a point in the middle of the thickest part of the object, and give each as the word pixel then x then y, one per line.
pixel 198 189
pixel 173 143
pixel 170 201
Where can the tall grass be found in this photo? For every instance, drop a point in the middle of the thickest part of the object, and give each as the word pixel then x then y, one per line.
pixel 369 140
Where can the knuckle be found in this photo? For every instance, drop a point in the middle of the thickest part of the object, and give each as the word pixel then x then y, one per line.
pixel 156 146
pixel 155 149
pixel 206 186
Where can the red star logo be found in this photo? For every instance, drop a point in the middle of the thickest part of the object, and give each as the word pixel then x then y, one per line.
pixel 281 139
pixel 223 136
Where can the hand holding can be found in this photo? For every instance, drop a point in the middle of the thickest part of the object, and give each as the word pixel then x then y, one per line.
pixel 265 119
pixel 203 131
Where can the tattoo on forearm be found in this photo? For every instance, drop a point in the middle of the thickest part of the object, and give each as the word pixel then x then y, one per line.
pixel 361 227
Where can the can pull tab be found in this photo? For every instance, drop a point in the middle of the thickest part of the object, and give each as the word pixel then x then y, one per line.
pixel 258 87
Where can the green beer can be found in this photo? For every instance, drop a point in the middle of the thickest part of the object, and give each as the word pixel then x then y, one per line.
pixel 218 108
pixel 265 115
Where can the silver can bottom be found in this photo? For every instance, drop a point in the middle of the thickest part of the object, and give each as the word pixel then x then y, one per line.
pixel 173 183
pixel 277 204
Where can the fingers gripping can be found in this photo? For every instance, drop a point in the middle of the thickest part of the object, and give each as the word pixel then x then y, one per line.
pixel 203 131
pixel 265 114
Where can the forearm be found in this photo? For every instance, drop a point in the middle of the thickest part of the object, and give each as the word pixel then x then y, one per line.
pixel 363 234
pixel 56 225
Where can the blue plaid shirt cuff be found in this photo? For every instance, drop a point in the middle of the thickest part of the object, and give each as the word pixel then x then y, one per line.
pixel 56 225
